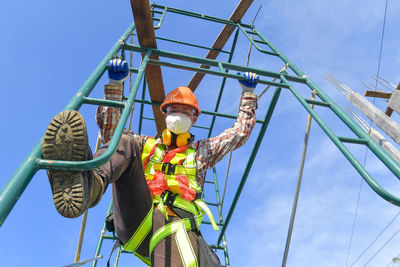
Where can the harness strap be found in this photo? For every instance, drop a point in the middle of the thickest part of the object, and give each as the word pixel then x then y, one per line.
pixel 181 203
pixel 179 227
pixel 185 248
pixel 173 169
pixel 203 206
pixel 143 258
pixel 198 207
pixel 141 232
pixel 160 205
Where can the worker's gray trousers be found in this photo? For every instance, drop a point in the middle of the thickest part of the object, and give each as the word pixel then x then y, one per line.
pixel 132 201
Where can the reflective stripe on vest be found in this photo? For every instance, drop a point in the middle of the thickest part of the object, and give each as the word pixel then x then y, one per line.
pixel 174 171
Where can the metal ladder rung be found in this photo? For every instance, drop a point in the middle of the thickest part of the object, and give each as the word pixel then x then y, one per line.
pixel 353 140
pixel 201 127
pixel 208 222
pixel 103 102
pixel 134 70
pixel 147 118
pixel 216 247
pixel 211 204
pixel 251 32
pixel 260 42
pixel 126 252
pixel 318 103
pixel 209 182
pixel 111 237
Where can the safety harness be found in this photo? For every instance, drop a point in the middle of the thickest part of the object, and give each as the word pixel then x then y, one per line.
pixel 171 178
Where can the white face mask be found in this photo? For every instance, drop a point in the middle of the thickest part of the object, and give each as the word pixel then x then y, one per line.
pixel 178 123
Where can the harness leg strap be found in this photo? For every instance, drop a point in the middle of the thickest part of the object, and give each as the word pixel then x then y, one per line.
pixel 140 234
pixel 180 228
pixel 186 251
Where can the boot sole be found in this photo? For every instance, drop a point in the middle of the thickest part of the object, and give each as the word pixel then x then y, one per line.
pixel 66 139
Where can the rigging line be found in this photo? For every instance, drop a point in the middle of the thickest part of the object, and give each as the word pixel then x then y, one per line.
pixel 365 250
pixel 355 219
pixel 252 37
pixel 298 186
pixel 85 215
pixel 357 205
pixel 370 122
pixel 384 245
pixel 226 182
pixel 381 48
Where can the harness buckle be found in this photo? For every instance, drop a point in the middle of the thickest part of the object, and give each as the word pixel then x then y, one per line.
pixel 170 199
pixel 168 168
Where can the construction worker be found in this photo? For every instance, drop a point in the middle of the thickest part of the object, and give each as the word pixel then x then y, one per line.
pixel 157 183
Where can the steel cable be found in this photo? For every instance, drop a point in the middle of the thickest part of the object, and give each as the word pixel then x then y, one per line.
pixel 366 151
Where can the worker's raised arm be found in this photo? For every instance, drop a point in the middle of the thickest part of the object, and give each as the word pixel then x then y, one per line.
pixel 217 147
pixel 107 117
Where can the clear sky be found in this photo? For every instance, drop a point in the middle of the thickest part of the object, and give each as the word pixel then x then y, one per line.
pixel 51 47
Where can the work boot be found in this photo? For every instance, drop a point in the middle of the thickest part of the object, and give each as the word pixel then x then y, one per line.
pixel 66 139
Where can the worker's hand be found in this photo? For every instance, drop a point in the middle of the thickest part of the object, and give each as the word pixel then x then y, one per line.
pixel 249 82
pixel 118 70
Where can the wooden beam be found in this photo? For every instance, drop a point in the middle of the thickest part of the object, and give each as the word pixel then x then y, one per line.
pixel 145 32
pixel 221 40
pixel 378 94
pixel 389 110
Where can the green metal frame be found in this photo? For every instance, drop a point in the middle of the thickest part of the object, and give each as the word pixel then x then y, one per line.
pixel 21 178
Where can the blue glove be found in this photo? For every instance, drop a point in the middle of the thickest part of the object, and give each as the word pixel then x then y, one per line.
pixel 118 70
pixel 249 83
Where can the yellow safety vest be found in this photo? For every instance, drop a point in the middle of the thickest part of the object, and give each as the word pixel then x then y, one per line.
pixel 174 171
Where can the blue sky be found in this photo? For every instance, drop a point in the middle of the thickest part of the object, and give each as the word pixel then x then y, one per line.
pixel 50 48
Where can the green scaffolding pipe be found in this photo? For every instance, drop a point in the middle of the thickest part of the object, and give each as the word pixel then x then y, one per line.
pixel 161 20
pixel 142 107
pixel 256 45
pixel 318 103
pixel 197 15
pixel 202 112
pixel 221 71
pixel 193 45
pixel 392 165
pixel 350 157
pixel 211 62
pixel 352 140
pixel 221 220
pixel 253 154
pixel 94 163
pixel 16 185
pixel 90 83
pixel 103 102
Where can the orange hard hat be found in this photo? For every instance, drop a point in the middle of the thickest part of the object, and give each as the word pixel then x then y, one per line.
pixel 181 95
